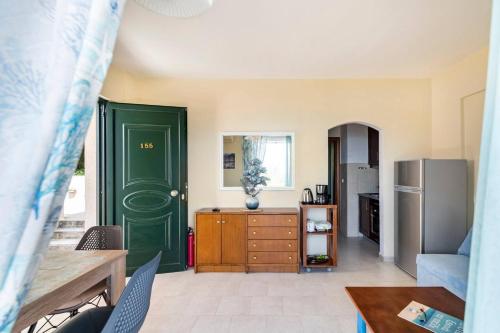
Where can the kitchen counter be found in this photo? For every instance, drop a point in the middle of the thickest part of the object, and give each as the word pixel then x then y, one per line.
pixel 373 196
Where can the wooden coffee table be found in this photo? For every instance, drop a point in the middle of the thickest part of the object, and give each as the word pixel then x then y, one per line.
pixel 378 307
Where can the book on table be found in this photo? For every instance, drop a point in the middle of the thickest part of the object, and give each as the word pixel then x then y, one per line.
pixel 431 319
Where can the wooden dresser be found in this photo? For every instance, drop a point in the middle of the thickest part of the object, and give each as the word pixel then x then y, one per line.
pixel 237 240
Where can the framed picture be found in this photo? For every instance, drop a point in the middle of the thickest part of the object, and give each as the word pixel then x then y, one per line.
pixel 229 161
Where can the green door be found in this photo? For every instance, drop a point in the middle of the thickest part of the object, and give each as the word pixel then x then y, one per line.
pixel 145 153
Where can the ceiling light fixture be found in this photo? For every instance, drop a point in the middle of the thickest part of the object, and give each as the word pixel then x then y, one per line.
pixel 177 8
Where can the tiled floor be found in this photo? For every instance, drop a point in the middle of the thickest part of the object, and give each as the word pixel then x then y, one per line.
pixel 270 302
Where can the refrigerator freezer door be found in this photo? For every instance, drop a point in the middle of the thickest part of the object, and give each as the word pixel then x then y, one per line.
pixel 409 173
pixel 445 205
pixel 409 213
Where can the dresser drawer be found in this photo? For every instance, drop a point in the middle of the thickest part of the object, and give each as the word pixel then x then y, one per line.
pixel 272 233
pixel 272 245
pixel 272 258
pixel 272 220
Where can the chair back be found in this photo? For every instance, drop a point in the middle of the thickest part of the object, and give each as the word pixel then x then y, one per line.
pixel 102 238
pixel 132 307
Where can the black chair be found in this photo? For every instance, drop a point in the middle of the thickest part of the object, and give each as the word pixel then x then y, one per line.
pixel 102 238
pixel 129 313
pixel 96 238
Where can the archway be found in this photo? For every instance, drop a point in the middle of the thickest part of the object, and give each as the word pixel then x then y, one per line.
pixel 354 176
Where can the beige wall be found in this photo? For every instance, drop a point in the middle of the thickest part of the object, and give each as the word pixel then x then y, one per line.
pixel 457 112
pixel 119 84
pixel 401 109
pixel 449 88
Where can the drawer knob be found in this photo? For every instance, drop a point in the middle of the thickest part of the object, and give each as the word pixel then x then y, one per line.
pixel 289 245
pixel 254 245
pixel 289 258
pixel 254 258
pixel 255 232
pixel 223 222
pixel 289 232
pixel 218 222
pixel 254 220
pixel 289 220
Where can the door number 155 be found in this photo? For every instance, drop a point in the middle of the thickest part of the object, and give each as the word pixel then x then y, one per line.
pixel 146 145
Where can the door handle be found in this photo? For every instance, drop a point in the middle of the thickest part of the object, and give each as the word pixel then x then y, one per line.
pixel 174 193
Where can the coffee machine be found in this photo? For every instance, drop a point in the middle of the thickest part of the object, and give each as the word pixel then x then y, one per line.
pixel 321 194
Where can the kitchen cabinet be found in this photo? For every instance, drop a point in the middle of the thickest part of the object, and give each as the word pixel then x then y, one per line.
pixel 364 216
pixel 220 242
pixel 373 147
pixel 369 224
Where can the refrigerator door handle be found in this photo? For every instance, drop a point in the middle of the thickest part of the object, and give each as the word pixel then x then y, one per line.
pixel 407 189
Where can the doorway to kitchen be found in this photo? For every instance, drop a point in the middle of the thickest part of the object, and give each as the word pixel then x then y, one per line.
pixel 353 182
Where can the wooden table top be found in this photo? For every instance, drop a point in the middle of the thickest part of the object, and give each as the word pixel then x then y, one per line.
pixel 59 268
pixel 380 306
pixel 63 275
pixel 241 210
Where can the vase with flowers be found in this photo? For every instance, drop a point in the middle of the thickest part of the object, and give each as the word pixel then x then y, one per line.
pixel 253 182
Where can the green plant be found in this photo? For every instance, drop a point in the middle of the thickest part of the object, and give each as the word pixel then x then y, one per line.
pixel 80 167
pixel 253 178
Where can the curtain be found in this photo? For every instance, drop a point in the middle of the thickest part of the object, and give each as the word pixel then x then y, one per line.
pixel 253 147
pixel 54 56
pixel 483 294
pixel 288 161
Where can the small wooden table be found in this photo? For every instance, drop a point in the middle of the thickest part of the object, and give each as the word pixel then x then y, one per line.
pixel 63 275
pixel 378 307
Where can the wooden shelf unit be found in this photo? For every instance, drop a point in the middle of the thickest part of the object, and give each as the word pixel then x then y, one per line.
pixel 331 236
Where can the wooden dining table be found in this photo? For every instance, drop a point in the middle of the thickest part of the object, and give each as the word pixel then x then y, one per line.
pixel 64 275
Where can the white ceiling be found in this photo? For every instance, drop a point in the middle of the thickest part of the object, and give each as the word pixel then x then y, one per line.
pixel 304 39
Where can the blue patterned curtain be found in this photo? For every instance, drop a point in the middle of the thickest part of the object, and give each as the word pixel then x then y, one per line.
pixel 54 55
pixel 483 294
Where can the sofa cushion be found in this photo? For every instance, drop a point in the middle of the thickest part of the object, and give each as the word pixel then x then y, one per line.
pixel 445 270
pixel 464 248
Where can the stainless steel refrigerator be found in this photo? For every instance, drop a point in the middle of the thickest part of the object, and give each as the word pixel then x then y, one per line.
pixel 430 201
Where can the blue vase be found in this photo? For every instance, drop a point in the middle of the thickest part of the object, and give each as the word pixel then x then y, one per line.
pixel 252 203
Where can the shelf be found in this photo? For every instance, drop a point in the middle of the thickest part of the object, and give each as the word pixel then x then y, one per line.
pixel 330 236
pixel 317 206
pixel 329 263
pixel 329 233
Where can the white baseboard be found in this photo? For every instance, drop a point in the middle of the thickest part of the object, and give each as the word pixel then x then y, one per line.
pixel 386 259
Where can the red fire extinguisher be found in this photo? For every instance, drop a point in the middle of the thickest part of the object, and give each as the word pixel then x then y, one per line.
pixel 190 241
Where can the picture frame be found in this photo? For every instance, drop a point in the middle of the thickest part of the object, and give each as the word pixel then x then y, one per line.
pixel 229 161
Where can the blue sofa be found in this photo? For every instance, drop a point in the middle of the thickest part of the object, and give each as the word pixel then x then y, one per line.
pixel 446 270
